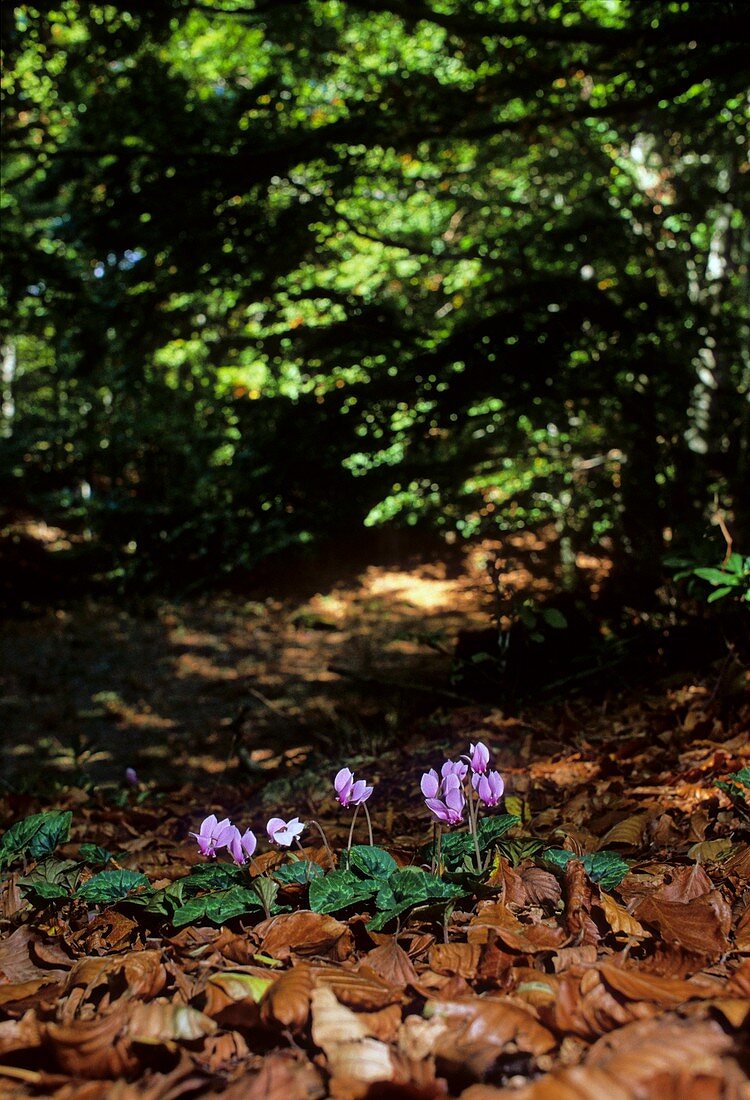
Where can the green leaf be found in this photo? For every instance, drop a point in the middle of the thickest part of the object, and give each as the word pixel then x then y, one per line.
pixel 490 829
pixel 110 886
pixel 554 618
pixel 606 868
pixel 719 594
pixel 93 853
pixel 715 576
pixel 214 876
pixel 217 908
pixel 408 888
pixel 371 862
pixel 266 890
pixel 35 837
pixel 47 891
pixel 338 890
pixel 519 849
pixel 298 873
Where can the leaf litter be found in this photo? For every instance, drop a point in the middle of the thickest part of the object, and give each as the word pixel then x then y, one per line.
pixel 605 952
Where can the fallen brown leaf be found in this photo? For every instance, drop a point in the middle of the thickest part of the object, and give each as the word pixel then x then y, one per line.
pixel 287 1001
pixel 455 958
pixel 391 963
pixel 304 933
pixel 700 925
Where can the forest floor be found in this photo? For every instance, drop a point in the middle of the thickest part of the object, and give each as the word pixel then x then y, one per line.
pixel 620 969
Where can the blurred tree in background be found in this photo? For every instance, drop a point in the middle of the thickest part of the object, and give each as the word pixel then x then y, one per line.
pixel 275 270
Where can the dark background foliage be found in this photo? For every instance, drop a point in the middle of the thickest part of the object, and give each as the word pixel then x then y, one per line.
pixel 277 270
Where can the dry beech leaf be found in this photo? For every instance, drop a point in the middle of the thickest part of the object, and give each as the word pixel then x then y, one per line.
pixel 332 1021
pixel 628 832
pixel 639 985
pixel 578 899
pixel 15 993
pixel 735 1010
pixel 494 917
pixel 577 1083
pixel 585 1007
pixel 343 1037
pixel 391 963
pixel 23 1034
pixel 16 964
pixel 368 1060
pixel 162 1022
pixel 700 925
pixel 710 851
pixel 541 886
pixel 568 957
pixel 281 1077
pixel 361 988
pixel 287 1002
pixel 383 1024
pixel 455 958
pixel 742 933
pixel 139 974
pixel 221 1051
pixel 185 1080
pixel 684 884
pixel 739 983
pixel 495 1022
pixel 98 1048
pixel 619 919
pixel 304 933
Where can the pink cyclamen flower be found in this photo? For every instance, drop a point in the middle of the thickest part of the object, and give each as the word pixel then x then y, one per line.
pixel 454 767
pixel 489 787
pixel 241 847
pixel 479 758
pixel 349 793
pixel 213 835
pixel 131 777
pixel 450 809
pixel 284 833
pixel 430 784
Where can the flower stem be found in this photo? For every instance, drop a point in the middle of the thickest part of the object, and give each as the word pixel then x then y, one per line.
pixel 369 823
pixel 324 838
pixel 351 830
pixel 305 860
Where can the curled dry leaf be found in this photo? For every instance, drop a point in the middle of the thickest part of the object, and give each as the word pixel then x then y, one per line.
pixel 287 1001
pixel 281 1077
pixel 23 1034
pixel 391 963
pixel 494 917
pixel 361 989
pixel 16 996
pixel 139 974
pixel 628 832
pixel 93 1049
pixel 494 1022
pixel 578 898
pixel 163 1022
pixel 639 985
pixel 16 964
pixel 619 919
pixel 304 933
pixel 455 958
pixel 343 1037
pixel 700 925
pixel 585 1007
pixel 541 886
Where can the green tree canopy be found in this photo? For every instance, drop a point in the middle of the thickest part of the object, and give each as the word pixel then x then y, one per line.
pixel 276 269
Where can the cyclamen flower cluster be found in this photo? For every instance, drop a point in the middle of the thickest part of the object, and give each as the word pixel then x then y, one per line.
pixel 215 835
pixel 445 794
